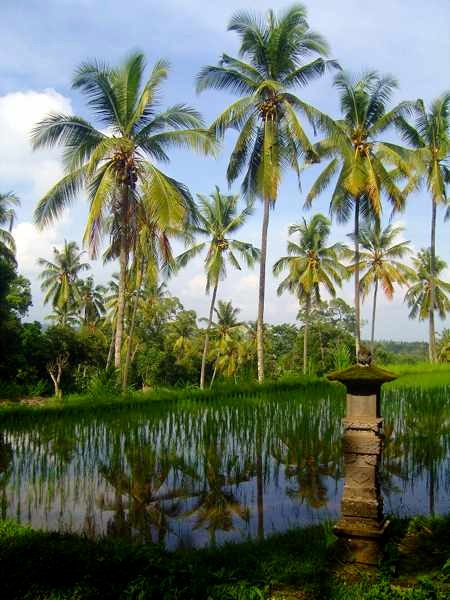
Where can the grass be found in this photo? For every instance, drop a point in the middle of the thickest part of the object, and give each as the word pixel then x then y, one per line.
pixel 303 563
pixel 109 399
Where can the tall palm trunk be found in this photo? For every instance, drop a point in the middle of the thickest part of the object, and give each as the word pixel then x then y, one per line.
pixel 305 333
pixel 357 286
pixel 432 332
pixel 132 325
pixel 374 309
pixel 123 260
pixel 205 347
pixel 262 288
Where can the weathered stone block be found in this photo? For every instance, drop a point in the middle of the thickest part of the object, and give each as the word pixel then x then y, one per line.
pixel 356 507
pixel 363 424
pixel 361 460
pixel 361 442
pixel 362 405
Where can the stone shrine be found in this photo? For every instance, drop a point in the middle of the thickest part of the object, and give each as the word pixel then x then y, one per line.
pixel 362 524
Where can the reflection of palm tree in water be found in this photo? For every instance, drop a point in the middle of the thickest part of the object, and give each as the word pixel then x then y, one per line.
pixel 151 499
pixel 216 504
pixel 427 435
pixel 307 460
pixel 6 459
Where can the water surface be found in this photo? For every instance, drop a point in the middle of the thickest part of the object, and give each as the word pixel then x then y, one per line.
pixel 195 473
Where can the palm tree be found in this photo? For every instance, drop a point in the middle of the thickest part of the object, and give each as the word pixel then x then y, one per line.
pixel 92 300
pixel 444 346
pixel 7 217
pixel 271 136
pixel 310 265
pixel 111 162
pixel 419 296
pixel 431 140
pixel 64 316
pixel 224 329
pixel 217 219
pixel 361 161
pixel 60 278
pixel 380 262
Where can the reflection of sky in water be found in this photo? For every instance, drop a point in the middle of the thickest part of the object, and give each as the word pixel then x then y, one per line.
pixel 189 475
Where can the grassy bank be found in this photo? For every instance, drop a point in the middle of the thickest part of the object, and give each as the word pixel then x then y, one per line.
pixel 421 374
pixel 304 563
pixel 104 398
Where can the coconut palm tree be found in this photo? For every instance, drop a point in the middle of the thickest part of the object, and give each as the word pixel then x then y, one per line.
pixel 311 265
pixel 380 262
pixel 430 137
pixel 271 135
pixel 8 202
pixel 444 346
pixel 218 218
pixel 60 278
pixel 224 329
pixel 367 167
pixel 419 295
pixel 112 161
pixel 92 303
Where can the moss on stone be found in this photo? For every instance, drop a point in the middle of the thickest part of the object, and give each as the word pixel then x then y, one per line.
pixel 364 375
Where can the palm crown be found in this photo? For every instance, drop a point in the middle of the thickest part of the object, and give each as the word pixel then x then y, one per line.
pixel 418 297
pixel 218 218
pixel 60 278
pixel 310 263
pixel 380 258
pixel 271 63
pixel 7 217
pixel 360 159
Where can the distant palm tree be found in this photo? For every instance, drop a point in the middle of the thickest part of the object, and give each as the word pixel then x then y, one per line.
pixel 225 328
pixel 60 278
pixel 7 217
pixel 92 300
pixel 380 262
pixel 419 296
pixel 217 219
pixel 271 136
pixel 64 316
pixel 311 265
pixel 431 140
pixel 444 346
pixel 111 162
pixel 360 158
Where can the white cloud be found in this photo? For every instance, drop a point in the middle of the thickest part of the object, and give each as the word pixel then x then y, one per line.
pixel 21 169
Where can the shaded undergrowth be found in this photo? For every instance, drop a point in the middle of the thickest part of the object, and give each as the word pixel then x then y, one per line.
pixel 303 563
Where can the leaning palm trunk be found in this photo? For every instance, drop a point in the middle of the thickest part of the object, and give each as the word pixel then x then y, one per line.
pixel 262 287
pixel 357 286
pixel 305 334
pixel 131 332
pixel 205 347
pixel 111 347
pixel 374 309
pixel 432 332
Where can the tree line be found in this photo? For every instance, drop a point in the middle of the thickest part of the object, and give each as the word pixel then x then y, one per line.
pixel 140 209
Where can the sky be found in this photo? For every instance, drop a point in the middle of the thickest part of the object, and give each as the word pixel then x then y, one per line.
pixel 44 41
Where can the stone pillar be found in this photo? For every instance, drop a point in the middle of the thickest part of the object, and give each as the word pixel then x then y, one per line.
pixel 362 524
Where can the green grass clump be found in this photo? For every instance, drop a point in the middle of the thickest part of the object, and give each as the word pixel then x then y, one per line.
pixel 303 563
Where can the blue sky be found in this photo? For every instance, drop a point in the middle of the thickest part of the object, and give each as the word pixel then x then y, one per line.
pixel 44 41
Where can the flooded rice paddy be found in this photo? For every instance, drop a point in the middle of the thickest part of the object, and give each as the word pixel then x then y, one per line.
pixel 193 473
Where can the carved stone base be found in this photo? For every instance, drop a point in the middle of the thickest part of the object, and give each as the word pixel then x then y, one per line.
pixel 363 538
